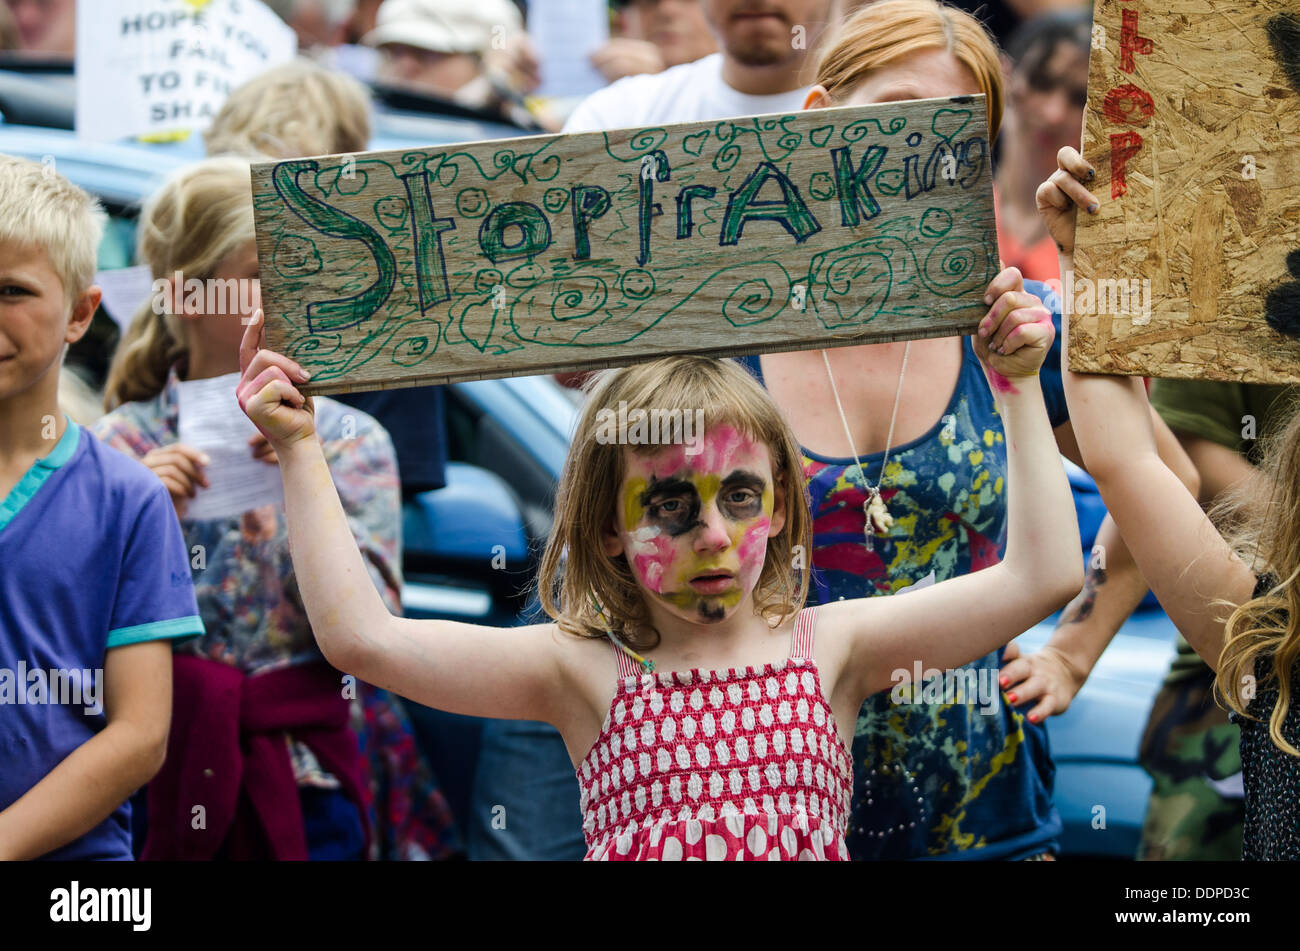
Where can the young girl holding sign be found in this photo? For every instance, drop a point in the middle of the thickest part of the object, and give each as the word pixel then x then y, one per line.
pixel 709 717
pixel 1237 601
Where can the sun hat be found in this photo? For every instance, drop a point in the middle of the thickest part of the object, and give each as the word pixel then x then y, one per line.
pixel 444 26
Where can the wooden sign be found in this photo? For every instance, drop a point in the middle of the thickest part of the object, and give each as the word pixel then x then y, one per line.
pixel 1193 125
pixel 782 232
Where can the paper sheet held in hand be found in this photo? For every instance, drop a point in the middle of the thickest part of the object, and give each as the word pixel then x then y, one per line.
pixel 211 421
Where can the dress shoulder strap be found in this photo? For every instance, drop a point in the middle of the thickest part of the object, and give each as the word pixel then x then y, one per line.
pixel 805 623
pixel 627 667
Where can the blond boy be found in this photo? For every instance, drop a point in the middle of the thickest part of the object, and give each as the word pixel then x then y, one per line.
pixel 94 575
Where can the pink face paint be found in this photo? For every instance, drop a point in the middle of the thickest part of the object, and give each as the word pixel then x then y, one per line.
pixel 752 550
pixel 1000 383
pixel 652 554
pixel 721 445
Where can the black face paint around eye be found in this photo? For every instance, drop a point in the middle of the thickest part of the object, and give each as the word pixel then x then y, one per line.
pixel 683 517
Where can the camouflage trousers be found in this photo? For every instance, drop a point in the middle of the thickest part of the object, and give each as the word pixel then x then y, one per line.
pixel 1193 754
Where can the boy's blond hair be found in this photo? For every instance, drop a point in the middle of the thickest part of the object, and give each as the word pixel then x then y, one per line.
pixel 575 570
pixel 293 110
pixel 42 209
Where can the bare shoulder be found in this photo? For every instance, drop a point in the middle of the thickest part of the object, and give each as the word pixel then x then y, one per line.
pixel 589 670
pixel 839 647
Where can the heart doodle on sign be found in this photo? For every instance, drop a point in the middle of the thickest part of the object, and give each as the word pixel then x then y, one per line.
pixel 694 144
pixel 1282 303
pixel 821 135
pixel 946 118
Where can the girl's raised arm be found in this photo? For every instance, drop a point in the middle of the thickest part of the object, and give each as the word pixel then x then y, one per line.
pixel 962 619
pixel 1185 560
pixel 463 668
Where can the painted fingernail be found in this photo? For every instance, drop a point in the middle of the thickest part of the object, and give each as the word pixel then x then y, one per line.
pixel 1004 681
pixel 1011 697
pixel 1033 718
pixel 1092 173
pixel 1093 208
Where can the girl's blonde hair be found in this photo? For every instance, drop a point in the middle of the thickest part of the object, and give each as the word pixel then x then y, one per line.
pixel 880 34
pixel 1263 635
pixel 200 215
pixel 293 110
pixel 575 568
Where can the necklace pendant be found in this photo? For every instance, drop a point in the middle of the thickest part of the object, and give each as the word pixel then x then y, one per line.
pixel 868 534
pixel 879 521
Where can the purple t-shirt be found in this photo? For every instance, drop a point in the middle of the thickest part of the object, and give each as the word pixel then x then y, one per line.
pixel 91 558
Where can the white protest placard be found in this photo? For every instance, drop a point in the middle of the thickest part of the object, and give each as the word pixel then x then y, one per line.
pixel 165 66
pixel 566 33
pixel 125 291
pixel 209 419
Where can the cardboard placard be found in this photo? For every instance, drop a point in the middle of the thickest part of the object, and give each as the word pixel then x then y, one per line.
pixel 815 229
pixel 1193 125
pixel 164 67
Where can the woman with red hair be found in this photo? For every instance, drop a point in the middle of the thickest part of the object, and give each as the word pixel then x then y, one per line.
pixel 905 462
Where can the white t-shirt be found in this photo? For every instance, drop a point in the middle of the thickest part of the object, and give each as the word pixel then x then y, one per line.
pixel 685 93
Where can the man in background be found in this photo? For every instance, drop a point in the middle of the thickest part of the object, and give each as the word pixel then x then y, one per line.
pixel 319 24
pixel 454 49
pixel 654 35
pixel 45 27
pixel 765 64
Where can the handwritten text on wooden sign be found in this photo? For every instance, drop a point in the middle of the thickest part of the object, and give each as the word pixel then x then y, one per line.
pixel 781 232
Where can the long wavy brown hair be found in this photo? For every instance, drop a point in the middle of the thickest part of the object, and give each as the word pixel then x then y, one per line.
pixel 575 569
pixel 1262 645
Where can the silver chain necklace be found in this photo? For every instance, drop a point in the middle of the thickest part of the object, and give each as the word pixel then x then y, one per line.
pixel 877 520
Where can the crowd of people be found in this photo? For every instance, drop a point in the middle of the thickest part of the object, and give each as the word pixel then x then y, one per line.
pixel 692 689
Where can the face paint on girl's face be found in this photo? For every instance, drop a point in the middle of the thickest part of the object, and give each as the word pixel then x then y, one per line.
pixel 695 528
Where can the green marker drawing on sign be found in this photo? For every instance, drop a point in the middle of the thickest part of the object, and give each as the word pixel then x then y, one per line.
pixel 430 265
pixel 344 311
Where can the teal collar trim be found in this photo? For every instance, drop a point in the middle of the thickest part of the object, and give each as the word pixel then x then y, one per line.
pixel 64 448
pixel 41 470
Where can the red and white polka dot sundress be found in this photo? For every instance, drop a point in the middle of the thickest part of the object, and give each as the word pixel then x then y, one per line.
pixel 722 764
